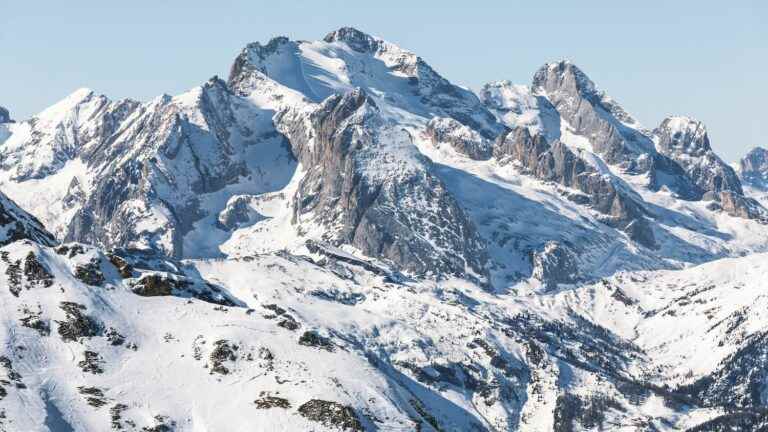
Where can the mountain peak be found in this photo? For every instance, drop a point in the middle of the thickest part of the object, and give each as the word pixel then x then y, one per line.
pixel 262 51
pixel 216 82
pixel 354 38
pixel 61 108
pixel 563 74
pixel 754 166
pixel 758 152
pixel 685 134
pixel 5 116
pixel 79 95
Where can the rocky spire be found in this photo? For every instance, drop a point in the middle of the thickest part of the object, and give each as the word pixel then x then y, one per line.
pixel 614 134
pixel 591 113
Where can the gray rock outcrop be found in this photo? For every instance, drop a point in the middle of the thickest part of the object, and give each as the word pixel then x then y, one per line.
pixel 554 264
pixel 556 162
pixel 5 116
pixel 239 212
pixel 754 168
pixel 686 141
pixel 366 185
pixel 740 206
pixel 462 139
pixel 17 224
pixel 168 154
pixel 613 133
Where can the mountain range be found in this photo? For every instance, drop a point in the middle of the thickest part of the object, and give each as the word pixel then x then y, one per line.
pixel 337 237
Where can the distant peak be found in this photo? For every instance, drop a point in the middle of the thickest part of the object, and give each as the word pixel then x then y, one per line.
pixel 80 94
pixel 274 42
pixel 758 151
pixel 215 81
pixel 71 102
pixel 5 116
pixel 76 97
pixel 755 161
pixel 499 84
pixel 681 134
pixel 162 99
pixel 262 51
pixel 754 167
pixel 563 74
pixel 683 123
pixel 354 38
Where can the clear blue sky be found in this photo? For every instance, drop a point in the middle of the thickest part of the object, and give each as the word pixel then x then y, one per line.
pixel 699 58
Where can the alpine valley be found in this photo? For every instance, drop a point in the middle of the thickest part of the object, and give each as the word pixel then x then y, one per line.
pixel 339 238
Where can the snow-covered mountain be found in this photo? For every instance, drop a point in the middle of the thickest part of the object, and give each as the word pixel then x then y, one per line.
pixel 753 170
pixel 339 238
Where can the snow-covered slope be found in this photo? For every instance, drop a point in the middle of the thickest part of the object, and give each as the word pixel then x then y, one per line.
pixel 17 224
pixel 339 238
pixel 282 331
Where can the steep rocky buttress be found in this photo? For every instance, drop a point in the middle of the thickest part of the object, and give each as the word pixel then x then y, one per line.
pixel 362 175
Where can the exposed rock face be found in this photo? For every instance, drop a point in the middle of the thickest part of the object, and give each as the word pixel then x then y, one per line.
pixel 239 212
pixel 355 39
pixel 331 414
pixel 366 185
pixel 16 224
pixel 151 274
pixel 172 151
pixel 554 264
pixel 686 142
pixel 741 206
pixel 591 113
pixel 77 324
pixel 754 168
pixel 557 163
pixel 461 138
pixel 5 116
pixel 612 132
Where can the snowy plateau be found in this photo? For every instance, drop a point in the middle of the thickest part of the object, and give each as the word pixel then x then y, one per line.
pixel 338 238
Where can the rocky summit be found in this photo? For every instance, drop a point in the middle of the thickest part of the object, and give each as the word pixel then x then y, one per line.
pixel 5 116
pixel 337 237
